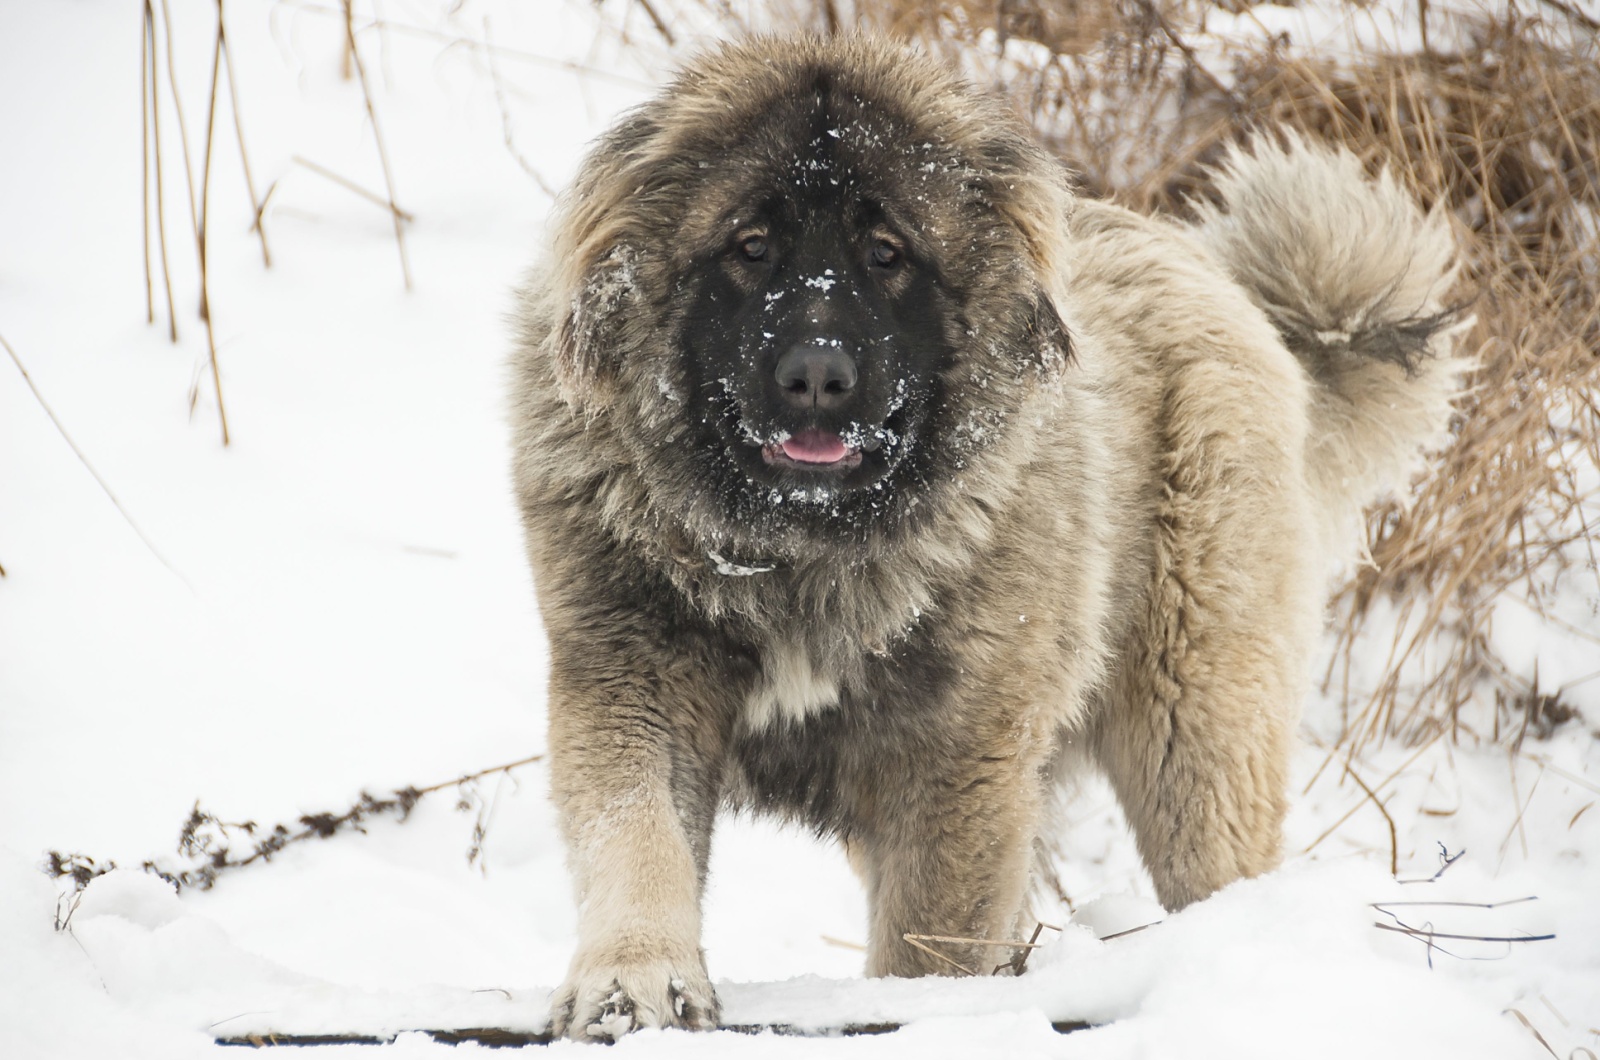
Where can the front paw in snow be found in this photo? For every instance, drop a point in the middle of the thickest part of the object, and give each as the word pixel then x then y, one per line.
pixel 602 1001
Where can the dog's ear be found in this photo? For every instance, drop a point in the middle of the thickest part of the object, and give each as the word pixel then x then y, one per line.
pixel 589 333
pixel 1048 337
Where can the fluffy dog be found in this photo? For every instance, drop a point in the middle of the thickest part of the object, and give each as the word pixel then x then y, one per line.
pixel 873 479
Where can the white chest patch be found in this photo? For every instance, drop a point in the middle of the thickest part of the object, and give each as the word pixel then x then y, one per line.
pixel 790 690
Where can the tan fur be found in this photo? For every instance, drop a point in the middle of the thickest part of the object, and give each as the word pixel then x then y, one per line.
pixel 1122 553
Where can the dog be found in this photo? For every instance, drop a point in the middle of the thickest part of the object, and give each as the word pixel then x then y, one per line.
pixel 874 479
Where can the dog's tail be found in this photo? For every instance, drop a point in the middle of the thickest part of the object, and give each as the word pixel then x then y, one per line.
pixel 1355 276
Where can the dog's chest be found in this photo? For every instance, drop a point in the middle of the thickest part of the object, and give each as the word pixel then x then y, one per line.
pixel 790 689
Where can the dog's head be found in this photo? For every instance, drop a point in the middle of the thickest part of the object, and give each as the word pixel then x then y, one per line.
pixel 815 278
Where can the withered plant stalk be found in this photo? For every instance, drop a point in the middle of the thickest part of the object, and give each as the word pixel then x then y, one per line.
pixel 353 52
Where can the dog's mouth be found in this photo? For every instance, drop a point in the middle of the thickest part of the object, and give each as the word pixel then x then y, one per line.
pixel 812 449
pixel 812 461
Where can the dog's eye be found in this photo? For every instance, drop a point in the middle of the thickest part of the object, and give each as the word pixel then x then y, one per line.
pixel 753 248
pixel 885 255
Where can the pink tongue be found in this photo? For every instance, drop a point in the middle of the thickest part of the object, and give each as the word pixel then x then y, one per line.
pixel 815 446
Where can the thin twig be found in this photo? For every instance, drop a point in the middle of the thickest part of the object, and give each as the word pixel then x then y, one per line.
pixel 1182 45
pixel 1385 782
pixel 84 460
pixel 345 182
pixel 1535 1032
pixel 1008 943
pixel 262 209
pixel 1562 773
pixel 205 844
pixel 203 240
pixel 1394 841
pixel 161 186
pixel 1384 906
pixel 1424 933
pixel 505 113
pixel 1446 859
pixel 257 206
pixel 467 777
pixel 377 136
pixel 144 159
pixel 1011 944
pixel 183 127
pixel 656 20
pixel 428 33
pixel 1516 825
pixel 1019 960
pixel 957 965
pixel 1573 13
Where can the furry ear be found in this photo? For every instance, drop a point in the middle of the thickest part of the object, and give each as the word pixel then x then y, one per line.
pixel 1049 339
pixel 586 339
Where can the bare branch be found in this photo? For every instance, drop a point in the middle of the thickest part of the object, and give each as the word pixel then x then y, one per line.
pixel 84 460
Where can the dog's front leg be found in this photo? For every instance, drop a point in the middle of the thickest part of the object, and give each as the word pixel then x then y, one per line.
pixel 950 854
pixel 636 802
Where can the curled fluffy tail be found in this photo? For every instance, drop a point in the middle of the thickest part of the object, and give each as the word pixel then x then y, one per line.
pixel 1354 275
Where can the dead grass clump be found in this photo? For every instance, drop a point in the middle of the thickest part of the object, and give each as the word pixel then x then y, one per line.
pixel 209 846
pixel 1505 133
pixel 1496 118
pixel 1503 130
pixel 1064 27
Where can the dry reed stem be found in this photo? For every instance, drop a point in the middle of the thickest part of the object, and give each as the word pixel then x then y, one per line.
pixel 505 113
pixel 1017 962
pixel 183 126
pixel 1535 1032
pixel 1010 943
pixel 1516 828
pixel 391 26
pixel 83 459
pixel 1429 934
pixel 354 55
pixel 203 241
pixel 350 185
pixel 656 21
pixel 206 842
pixel 154 111
pixel 258 206
pixel 1383 907
pixel 144 160
pixel 1394 838
pixel 952 962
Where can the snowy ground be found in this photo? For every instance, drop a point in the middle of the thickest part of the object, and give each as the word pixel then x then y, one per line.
pixel 347 609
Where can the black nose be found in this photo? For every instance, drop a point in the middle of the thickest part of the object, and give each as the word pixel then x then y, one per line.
pixel 816 376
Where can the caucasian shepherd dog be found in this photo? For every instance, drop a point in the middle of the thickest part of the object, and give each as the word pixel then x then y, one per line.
pixel 874 479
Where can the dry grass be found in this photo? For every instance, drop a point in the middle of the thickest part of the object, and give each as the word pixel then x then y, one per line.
pixel 208 845
pixel 1506 134
pixel 1498 121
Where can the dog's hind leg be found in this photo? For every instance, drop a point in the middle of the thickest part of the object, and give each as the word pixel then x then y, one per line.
pixel 1201 781
pixel 1193 729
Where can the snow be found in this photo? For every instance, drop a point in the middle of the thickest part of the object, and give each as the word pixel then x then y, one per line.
pixel 347 609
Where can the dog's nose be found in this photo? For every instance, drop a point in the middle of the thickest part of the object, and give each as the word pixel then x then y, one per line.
pixel 813 376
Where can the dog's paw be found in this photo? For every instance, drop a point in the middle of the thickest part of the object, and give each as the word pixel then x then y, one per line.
pixel 602 1002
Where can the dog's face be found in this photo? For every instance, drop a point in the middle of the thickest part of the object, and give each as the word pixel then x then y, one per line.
pixel 831 310
pixel 821 328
